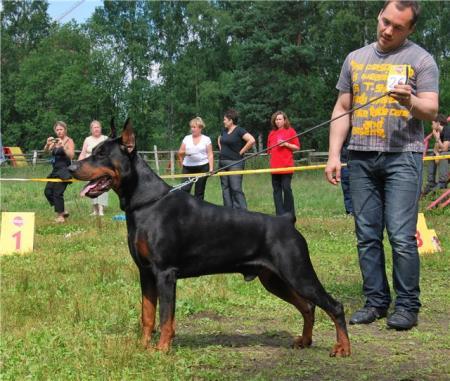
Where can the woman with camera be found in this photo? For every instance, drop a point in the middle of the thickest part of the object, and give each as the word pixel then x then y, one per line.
pixel 62 149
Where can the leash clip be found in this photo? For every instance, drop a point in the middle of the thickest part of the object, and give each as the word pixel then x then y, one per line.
pixel 190 180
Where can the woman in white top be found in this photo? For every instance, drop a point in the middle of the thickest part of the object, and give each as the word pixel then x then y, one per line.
pixel 89 144
pixel 196 156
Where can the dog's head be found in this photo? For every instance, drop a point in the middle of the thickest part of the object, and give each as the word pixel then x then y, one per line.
pixel 109 164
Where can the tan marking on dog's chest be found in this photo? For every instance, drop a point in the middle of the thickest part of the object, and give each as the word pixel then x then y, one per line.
pixel 142 248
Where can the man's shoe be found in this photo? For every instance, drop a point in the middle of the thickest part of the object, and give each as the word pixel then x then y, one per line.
pixel 367 315
pixel 402 319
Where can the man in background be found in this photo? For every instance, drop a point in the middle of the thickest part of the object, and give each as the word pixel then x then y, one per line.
pixel 441 134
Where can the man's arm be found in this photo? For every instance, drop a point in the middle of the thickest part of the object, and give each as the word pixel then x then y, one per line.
pixel 423 106
pixel 339 130
pixel 441 145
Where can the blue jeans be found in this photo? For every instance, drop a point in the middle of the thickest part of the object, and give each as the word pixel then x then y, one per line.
pixel 385 189
pixel 232 193
pixel 345 184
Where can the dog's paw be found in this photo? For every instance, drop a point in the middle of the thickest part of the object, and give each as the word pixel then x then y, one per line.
pixel 145 341
pixel 163 347
pixel 340 350
pixel 301 342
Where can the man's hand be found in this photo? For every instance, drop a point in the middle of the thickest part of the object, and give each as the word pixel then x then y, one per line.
pixel 436 134
pixel 333 171
pixel 402 94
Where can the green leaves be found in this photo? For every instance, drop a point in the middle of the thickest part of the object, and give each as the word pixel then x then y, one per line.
pixel 163 63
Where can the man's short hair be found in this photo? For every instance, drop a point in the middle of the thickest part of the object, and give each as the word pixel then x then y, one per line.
pixel 403 4
pixel 442 120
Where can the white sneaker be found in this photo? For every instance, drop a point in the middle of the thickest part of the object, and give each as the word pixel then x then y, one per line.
pixel 93 214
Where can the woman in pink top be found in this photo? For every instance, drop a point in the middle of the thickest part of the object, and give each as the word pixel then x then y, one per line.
pixel 282 156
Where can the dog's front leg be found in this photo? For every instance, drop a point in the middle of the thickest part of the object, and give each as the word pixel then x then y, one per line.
pixel 149 302
pixel 166 283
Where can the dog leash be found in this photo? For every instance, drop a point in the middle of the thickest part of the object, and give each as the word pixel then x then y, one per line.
pixel 194 179
pixel 190 180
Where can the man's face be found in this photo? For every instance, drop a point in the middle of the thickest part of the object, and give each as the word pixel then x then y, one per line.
pixel 437 126
pixel 394 26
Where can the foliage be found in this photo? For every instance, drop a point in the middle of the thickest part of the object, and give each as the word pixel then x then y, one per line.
pixel 24 24
pixel 163 63
pixel 55 83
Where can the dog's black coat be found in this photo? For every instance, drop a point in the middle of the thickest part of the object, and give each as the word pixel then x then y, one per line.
pixel 172 235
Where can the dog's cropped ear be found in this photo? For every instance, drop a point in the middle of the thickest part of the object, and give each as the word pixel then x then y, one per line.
pixel 113 133
pixel 128 137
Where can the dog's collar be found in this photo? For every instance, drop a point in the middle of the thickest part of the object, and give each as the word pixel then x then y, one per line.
pixel 149 202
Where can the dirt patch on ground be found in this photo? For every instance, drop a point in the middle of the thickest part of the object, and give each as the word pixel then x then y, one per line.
pixel 378 353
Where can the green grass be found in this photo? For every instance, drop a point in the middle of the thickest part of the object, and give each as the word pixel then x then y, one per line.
pixel 70 310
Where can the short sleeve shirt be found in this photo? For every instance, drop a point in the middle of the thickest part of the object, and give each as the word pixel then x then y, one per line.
pixel 281 157
pixel 385 125
pixel 232 143
pixel 92 142
pixel 445 134
pixel 196 154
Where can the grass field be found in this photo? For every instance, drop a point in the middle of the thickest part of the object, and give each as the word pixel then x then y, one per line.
pixel 71 309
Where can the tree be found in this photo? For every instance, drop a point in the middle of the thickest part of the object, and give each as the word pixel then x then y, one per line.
pixel 24 24
pixel 54 82
pixel 274 62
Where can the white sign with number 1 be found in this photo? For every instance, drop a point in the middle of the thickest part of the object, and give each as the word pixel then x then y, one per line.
pixel 17 232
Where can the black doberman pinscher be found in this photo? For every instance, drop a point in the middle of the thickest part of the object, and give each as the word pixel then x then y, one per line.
pixel 172 235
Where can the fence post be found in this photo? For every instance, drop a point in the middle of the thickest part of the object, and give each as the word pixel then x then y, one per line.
pixel 33 161
pixel 155 150
pixel 172 162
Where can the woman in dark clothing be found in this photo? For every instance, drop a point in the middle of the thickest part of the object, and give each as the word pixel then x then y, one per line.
pixel 62 149
pixel 233 142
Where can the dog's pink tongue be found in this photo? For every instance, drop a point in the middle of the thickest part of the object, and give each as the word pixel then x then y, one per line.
pixel 86 189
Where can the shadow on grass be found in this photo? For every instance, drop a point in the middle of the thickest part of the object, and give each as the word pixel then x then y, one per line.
pixel 276 339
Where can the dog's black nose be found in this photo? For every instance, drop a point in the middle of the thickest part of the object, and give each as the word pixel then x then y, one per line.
pixel 74 166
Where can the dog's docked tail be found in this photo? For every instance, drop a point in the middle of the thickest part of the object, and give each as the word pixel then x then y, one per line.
pixel 290 216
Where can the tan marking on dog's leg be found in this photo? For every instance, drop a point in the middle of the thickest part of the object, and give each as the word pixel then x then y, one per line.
pixel 342 348
pixel 167 334
pixel 307 310
pixel 149 303
pixel 279 288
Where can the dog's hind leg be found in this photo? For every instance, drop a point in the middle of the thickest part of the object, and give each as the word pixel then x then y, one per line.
pixel 310 288
pixel 149 302
pixel 166 283
pixel 335 310
pixel 342 347
pixel 274 284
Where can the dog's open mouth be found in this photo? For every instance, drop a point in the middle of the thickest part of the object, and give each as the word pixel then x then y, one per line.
pixel 96 187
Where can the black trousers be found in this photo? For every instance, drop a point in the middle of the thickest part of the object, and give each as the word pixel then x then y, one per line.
pixel 200 185
pixel 282 194
pixel 54 192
